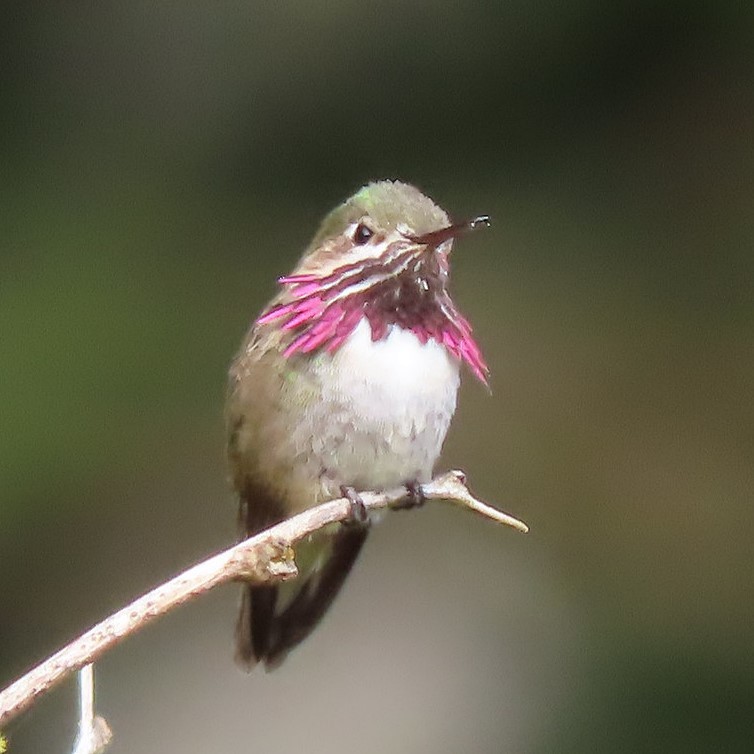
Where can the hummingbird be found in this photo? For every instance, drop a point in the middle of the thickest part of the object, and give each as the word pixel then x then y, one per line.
pixel 345 382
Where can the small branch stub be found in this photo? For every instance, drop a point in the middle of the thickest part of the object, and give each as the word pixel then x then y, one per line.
pixel 270 562
pixel 94 733
pixel 452 487
pixel 265 558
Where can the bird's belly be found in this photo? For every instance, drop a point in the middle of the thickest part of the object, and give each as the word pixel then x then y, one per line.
pixel 382 415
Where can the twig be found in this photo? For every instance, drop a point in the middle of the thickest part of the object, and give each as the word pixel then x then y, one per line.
pixel 94 733
pixel 264 558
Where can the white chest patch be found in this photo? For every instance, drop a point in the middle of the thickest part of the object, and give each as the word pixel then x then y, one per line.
pixel 385 409
pixel 399 368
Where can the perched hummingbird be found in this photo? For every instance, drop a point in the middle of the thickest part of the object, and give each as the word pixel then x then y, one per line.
pixel 346 381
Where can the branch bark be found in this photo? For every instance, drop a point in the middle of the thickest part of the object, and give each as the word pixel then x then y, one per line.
pixel 264 558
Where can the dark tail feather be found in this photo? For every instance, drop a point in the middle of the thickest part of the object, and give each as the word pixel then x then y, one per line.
pixel 316 595
pixel 255 621
pixel 256 512
pixel 262 633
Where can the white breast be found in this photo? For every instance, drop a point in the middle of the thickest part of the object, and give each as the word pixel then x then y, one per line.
pixel 387 407
pixel 382 376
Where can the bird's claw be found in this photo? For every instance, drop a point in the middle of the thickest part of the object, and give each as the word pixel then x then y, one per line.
pixel 358 515
pixel 414 498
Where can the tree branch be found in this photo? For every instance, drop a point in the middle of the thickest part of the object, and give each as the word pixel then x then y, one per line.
pixel 264 558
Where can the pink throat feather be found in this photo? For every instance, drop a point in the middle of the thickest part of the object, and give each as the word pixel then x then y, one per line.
pixel 319 316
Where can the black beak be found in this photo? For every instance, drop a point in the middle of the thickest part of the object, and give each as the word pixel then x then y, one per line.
pixel 436 237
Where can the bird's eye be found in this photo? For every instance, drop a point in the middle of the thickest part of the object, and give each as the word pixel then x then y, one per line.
pixel 362 234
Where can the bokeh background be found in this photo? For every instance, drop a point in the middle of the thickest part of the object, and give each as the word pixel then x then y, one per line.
pixel 162 163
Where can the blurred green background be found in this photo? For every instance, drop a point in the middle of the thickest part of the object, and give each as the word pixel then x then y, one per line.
pixel 162 163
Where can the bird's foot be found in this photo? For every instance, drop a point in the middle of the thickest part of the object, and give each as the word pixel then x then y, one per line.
pixel 358 516
pixel 414 498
